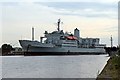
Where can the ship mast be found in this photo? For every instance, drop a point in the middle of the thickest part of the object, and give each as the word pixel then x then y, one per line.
pixel 58 24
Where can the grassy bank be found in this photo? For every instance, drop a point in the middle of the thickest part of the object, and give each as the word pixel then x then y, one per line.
pixel 112 69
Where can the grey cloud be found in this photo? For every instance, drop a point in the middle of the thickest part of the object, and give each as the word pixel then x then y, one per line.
pixel 97 9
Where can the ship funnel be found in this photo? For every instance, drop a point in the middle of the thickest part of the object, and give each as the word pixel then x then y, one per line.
pixel 76 33
pixel 32 33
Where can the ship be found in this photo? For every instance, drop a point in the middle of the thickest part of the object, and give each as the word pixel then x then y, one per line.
pixel 59 42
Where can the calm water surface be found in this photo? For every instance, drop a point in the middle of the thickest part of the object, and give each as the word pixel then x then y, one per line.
pixel 78 66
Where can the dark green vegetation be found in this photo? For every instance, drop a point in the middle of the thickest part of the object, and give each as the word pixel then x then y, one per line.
pixel 112 69
pixel 6 48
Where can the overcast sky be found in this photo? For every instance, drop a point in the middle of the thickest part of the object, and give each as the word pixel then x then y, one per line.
pixel 94 18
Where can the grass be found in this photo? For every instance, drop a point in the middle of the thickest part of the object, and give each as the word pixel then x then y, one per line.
pixel 112 69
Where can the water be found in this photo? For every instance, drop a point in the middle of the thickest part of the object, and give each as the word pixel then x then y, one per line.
pixel 82 66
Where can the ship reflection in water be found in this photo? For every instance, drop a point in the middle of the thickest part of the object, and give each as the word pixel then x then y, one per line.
pixel 80 66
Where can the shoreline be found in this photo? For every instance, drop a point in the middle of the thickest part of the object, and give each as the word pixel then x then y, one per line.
pixel 51 53
pixel 111 70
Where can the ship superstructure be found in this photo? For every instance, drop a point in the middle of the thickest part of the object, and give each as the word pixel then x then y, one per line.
pixel 58 42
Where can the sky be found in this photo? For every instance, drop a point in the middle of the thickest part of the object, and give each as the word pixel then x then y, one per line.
pixel 94 19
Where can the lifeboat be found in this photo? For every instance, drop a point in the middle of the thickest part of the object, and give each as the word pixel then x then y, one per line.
pixel 71 37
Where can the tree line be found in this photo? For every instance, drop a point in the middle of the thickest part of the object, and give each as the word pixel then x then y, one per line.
pixel 6 49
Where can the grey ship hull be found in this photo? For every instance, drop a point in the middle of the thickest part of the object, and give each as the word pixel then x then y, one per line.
pixel 37 48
